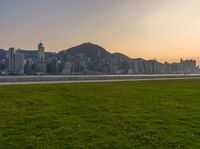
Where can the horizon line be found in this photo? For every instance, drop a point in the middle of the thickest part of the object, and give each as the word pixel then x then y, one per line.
pixel 148 59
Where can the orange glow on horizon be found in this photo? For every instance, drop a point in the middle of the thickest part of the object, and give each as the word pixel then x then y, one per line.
pixel 166 30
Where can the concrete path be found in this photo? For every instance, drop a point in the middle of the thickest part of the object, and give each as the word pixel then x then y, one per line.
pixel 20 80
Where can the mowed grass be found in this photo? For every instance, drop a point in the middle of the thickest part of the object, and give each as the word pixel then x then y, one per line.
pixel 146 114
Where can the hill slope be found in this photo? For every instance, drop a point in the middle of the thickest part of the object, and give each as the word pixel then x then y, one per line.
pixel 89 49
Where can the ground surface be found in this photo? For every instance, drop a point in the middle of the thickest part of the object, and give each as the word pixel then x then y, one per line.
pixel 60 79
pixel 146 114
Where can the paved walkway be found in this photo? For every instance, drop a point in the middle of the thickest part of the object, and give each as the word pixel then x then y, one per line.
pixel 93 78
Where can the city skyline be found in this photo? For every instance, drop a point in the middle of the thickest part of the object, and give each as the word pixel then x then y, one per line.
pixel 58 51
pixel 86 58
pixel 162 29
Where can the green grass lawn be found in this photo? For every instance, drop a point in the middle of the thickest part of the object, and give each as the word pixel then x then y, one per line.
pixel 146 114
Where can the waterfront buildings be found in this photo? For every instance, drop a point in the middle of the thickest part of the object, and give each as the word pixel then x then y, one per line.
pixel 15 62
pixel 85 59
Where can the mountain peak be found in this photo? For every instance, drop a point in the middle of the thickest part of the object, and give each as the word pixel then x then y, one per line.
pixel 89 49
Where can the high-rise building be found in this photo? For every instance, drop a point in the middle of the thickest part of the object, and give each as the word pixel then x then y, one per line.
pixel 11 60
pixel 41 64
pixel 188 66
pixel 41 57
pixel 53 66
pixel 67 68
pixel 19 63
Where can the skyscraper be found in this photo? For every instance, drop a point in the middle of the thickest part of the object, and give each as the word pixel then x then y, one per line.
pixel 11 60
pixel 41 66
pixel 41 57
pixel 19 63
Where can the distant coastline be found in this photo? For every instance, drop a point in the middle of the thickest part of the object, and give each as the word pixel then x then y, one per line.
pixel 87 58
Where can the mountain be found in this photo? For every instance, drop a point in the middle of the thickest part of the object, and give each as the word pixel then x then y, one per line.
pixel 89 49
pixel 121 57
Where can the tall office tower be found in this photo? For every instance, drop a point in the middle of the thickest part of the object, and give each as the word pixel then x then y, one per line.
pixel 11 60
pixel 41 67
pixel 19 63
pixel 41 57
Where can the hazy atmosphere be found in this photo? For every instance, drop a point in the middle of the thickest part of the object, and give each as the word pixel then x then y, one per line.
pixel 100 74
pixel 162 29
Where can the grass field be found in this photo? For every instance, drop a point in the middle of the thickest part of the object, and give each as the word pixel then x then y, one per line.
pixel 146 114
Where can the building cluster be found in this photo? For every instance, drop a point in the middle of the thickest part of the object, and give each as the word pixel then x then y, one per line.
pixel 140 66
pixel 79 61
pixel 28 62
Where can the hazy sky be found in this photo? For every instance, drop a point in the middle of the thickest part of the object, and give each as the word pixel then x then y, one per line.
pixel 161 29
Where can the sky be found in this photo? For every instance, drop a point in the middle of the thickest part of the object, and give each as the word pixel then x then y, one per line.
pixel 166 30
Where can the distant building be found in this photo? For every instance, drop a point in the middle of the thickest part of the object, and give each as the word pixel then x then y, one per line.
pixel 30 67
pixel 11 60
pixel 175 68
pixel 53 66
pixel 41 49
pixel 41 67
pixel 188 66
pixel 67 68
pixel 19 63
pixel 2 54
pixel 41 64
pixel 28 54
pixel 3 64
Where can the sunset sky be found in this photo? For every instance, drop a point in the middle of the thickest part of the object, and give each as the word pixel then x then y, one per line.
pixel 162 29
